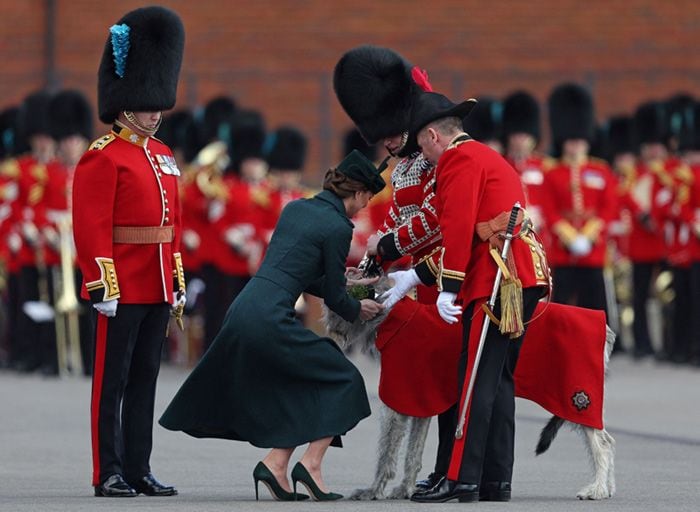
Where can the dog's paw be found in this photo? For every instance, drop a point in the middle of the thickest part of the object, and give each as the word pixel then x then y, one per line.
pixel 400 492
pixel 365 494
pixel 594 492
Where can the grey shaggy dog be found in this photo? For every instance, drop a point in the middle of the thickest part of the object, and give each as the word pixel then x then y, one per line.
pixel 395 426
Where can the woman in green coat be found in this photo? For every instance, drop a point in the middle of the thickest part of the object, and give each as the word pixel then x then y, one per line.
pixel 266 378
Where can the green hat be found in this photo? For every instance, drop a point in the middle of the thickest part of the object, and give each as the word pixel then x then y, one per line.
pixel 356 166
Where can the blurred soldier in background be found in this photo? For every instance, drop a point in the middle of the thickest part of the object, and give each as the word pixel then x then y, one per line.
pixel 485 123
pixel 71 120
pixel 36 332
pixel 11 145
pixel 651 196
pixel 234 249
pixel 521 135
pixel 579 202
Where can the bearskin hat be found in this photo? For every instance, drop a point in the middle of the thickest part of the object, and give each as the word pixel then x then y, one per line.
pixel 353 140
pixel 140 63
pixel 70 114
pixel 650 123
pixel 571 114
pixel 620 136
pixel 376 88
pixel 286 149
pixel 484 121
pixel 678 108
pixel 216 117
pixel 178 131
pixel 11 142
pixel 521 114
pixel 247 137
pixel 33 115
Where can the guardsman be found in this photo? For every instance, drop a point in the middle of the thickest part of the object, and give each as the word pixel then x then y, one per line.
pixel 521 135
pixel 377 88
pixel 10 146
pixel 36 332
pixel 579 202
pixel 126 218
pixel 71 124
pixel 651 194
pixel 245 195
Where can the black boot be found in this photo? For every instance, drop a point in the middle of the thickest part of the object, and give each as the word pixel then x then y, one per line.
pixel 494 491
pixel 114 487
pixel 149 486
pixel 430 482
pixel 448 490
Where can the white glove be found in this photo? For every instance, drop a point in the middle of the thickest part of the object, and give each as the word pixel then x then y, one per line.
pixel 179 298
pixel 581 246
pixel 217 208
pixel 14 242
pixel 447 309
pixel 191 239
pixel 404 280
pixel 107 308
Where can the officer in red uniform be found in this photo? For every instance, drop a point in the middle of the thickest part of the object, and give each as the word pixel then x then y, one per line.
pixel 476 188
pixel 579 201
pixel 126 219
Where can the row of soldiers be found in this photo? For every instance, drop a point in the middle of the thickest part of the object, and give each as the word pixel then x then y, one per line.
pixel 614 229
pixel 237 176
pixel 617 205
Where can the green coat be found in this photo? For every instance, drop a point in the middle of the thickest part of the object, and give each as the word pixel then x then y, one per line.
pixel 267 379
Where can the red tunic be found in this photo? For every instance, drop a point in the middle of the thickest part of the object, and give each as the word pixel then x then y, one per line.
pixel 579 200
pixel 691 214
pixel 475 184
pixel 126 180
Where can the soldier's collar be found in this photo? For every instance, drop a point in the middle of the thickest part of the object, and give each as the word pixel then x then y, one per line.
pixel 121 131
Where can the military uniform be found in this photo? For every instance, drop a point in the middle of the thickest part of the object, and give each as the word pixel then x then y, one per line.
pixel 127 230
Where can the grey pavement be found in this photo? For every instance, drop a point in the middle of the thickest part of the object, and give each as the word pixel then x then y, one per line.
pixel 652 411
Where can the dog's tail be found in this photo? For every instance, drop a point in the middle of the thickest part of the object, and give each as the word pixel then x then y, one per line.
pixel 549 432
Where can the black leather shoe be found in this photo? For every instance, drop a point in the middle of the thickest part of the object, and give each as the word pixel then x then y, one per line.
pixel 429 483
pixel 114 487
pixel 149 486
pixel 494 491
pixel 448 490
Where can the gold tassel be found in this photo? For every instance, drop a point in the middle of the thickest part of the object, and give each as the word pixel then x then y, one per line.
pixel 512 308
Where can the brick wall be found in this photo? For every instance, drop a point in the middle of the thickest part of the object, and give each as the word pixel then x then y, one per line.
pixel 278 56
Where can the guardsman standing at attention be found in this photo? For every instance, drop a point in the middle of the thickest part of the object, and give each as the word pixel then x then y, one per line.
pixel 126 219
pixel 580 200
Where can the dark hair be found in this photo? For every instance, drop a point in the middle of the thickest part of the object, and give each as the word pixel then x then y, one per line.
pixel 341 185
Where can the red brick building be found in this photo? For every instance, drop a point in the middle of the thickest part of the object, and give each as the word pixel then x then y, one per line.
pixel 278 56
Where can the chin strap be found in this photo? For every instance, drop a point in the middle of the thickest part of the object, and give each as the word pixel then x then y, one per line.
pixel 131 117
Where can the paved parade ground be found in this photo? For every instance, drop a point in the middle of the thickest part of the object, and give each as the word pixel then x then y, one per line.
pixel 652 411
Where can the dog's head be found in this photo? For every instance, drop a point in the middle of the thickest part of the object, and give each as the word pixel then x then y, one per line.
pixel 357 334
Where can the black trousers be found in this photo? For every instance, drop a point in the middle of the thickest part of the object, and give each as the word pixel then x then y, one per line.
pixel 641 282
pixel 36 341
pixel 679 347
pixel 579 286
pixel 489 436
pixel 126 364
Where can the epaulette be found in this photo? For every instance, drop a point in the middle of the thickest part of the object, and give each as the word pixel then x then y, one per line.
pixel 102 142
pixel 10 169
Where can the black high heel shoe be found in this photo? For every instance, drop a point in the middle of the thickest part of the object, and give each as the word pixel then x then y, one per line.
pixel 300 474
pixel 262 474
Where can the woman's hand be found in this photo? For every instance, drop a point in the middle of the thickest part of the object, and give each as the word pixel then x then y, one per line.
pixel 369 309
pixel 366 281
